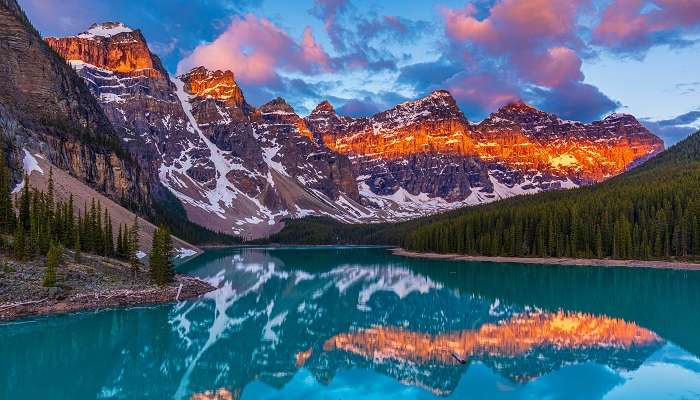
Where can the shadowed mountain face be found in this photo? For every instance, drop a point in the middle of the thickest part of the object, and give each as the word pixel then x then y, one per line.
pixel 46 107
pixel 286 319
pixel 242 169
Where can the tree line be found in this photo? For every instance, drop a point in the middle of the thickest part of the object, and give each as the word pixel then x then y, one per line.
pixel 649 212
pixel 652 212
pixel 35 224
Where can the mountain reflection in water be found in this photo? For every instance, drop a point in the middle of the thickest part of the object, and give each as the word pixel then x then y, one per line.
pixel 522 347
pixel 345 323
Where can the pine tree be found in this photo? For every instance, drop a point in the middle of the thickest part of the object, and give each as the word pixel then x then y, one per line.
pixel 119 253
pixel 50 195
pixel 53 260
pixel 108 245
pixel 77 248
pixel 161 266
pixel 24 206
pixel 20 242
pixel 133 246
pixel 7 212
pixel 70 221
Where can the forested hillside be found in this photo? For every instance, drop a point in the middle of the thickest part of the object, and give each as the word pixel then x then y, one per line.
pixel 650 212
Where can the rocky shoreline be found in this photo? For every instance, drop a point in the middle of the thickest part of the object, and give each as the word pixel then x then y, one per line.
pixel 677 265
pixel 94 283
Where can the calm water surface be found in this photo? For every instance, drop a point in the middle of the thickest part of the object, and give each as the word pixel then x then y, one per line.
pixel 339 323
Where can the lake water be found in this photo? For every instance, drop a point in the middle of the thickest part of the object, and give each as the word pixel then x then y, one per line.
pixel 339 323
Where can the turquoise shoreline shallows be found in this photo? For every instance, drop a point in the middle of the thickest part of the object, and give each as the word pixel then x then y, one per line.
pixel 345 323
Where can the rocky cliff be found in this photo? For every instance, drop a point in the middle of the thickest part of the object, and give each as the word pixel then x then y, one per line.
pixel 427 147
pixel 134 91
pixel 46 107
pixel 266 164
pixel 235 168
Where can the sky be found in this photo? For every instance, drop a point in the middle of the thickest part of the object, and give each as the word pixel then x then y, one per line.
pixel 580 59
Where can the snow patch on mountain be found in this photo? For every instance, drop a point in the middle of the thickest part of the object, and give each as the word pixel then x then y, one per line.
pixel 105 30
pixel 29 165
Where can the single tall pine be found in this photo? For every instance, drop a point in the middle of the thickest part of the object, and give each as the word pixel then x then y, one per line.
pixel 161 266
pixel 53 260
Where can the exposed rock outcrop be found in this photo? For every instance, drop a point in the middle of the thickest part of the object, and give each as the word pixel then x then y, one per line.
pixel 428 147
pixel 46 106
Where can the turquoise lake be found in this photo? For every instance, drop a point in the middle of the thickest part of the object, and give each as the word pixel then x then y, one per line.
pixel 360 323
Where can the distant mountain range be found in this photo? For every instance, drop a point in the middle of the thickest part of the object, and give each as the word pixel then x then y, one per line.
pixel 242 170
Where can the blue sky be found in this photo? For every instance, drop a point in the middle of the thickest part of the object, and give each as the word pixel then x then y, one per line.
pixel 581 59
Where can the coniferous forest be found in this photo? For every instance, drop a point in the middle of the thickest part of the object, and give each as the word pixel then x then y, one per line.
pixel 650 212
pixel 33 223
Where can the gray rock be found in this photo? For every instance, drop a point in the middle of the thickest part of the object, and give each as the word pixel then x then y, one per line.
pixel 55 293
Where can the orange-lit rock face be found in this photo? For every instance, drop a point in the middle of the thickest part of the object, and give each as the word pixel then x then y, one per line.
pixel 221 394
pixel 278 112
pixel 302 357
pixel 519 136
pixel 432 124
pixel 218 85
pixel 111 46
pixel 509 338
pixel 525 137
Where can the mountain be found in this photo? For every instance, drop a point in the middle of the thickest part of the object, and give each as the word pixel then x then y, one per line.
pixel 133 89
pixel 46 107
pixel 649 212
pixel 428 147
pixel 236 169
pixel 242 169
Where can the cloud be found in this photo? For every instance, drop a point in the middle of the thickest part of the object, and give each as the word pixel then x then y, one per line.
pixel 480 94
pixel 636 25
pixel 575 100
pixel 159 20
pixel 687 87
pixel 536 37
pixel 361 38
pixel 675 129
pixel 391 28
pixel 359 108
pixel 428 76
pixel 328 11
pixel 523 49
pixel 163 49
pixel 256 49
pixel 527 21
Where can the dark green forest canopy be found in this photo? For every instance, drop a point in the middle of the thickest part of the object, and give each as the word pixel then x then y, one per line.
pixel 650 212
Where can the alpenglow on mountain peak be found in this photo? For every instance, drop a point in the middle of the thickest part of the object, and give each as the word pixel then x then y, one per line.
pixel 243 169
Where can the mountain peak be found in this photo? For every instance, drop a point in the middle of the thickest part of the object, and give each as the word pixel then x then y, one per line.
pixel 278 105
pixel 203 72
pixel 518 105
pixel 112 46
pixel 619 116
pixel 323 107
pixel 440 93
pixel 219 85
pixel 105 30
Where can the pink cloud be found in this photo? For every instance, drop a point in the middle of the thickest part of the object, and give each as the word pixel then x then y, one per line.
pixel 555 67
pixel 630 24
pixel 328 11
pixel 536 37
pixel 481 92
pixel 312 52
pixel 515 23
pixel 254 49
pixel 522 48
